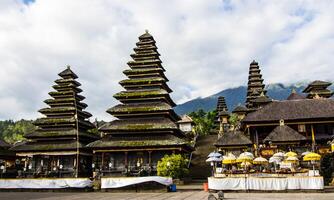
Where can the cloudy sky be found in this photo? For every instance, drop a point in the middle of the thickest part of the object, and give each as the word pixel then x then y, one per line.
pixel 206 46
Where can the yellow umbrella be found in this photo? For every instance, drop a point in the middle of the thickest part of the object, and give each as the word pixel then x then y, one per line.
pixel 312 157
pixel 244 158
pixel 227 160
pixel 290 154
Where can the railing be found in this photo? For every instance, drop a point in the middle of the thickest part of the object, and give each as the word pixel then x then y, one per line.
pixel 191 154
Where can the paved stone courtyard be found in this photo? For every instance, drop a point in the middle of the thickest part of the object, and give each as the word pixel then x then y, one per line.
pixel 191 195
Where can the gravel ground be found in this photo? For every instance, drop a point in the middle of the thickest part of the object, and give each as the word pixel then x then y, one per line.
pixel 191 195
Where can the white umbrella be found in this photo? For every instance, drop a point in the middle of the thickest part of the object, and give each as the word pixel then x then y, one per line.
pixel 292 159
pixel 214 159
pixel 231 155
pixel 247 154
pixel 260 160
pixel 214 154
pixel 305 153
pixel 275 160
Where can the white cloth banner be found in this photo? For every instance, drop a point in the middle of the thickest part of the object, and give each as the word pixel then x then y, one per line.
pixel 227 183
pixel 118 182
pixel 264 183
pixel 307 183
pixel 47 183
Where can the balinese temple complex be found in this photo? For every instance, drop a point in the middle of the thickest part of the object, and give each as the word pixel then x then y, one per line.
pixel 57 147
pixel 300 123
pixel 65 144
pixel 146 126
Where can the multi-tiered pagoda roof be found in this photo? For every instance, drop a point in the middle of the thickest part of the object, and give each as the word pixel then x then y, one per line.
pixel 255 87
pixel 145 115
pixel 221 106
pixel 65 122
pixel 318 89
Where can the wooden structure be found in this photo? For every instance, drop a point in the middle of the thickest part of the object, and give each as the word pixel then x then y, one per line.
pixel 146 127
pixel 233 141
pixel 255 88
pixel 7 160
pixel 295 96
pixel 186 124
pixel 240 111
pixel 313 119
pixel 318 89
pixel 57 147
pixel 221 106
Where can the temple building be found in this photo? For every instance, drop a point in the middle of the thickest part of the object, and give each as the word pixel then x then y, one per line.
pixel 295 96
pixel 146 126
pixel 57 147
pixel 318 89
pixel 256 93
pixel 221 106
pixel 240 111
pixel 186 124
pixel 7 160
pixel 233 141
pixel 301 124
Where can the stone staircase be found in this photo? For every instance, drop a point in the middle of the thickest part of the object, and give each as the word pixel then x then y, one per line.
pixel 199 169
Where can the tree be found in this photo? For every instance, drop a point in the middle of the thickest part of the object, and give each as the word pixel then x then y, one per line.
pixel 14 131
pixel 204 122
pixel 234 120
pixel 174 166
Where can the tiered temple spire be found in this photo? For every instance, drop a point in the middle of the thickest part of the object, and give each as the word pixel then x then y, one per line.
pixel 64 129
pixel 318 89
pixel 256 86
pixel 221 106
pixel 146 119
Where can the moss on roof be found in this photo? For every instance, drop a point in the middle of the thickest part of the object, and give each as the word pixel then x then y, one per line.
pixel 142 71
pixel 58 133
pixel 140 93
pixel 140 124
pixel 142 80
pixel 143 62
pixel 129 108
pixel 138 143
pixel 34 146
pixel 47 120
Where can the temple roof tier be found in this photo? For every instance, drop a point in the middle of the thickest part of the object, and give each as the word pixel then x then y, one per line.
pixel 284 133
pixel 233 138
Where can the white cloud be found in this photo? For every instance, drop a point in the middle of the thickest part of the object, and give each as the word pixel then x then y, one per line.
pixel 206 46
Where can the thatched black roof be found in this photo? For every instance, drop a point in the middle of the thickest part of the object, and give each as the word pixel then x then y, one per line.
pixel 233 138
pixel 301 110
pixel 240 109
pixel 262 99
pixel 317 83
pixel 284 133
pixel 68 72
pixel 295 96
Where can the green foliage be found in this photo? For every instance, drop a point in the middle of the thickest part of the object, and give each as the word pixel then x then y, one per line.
pixel 174 166
pixel 12 132
pixel 234 120
pixel 204 121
